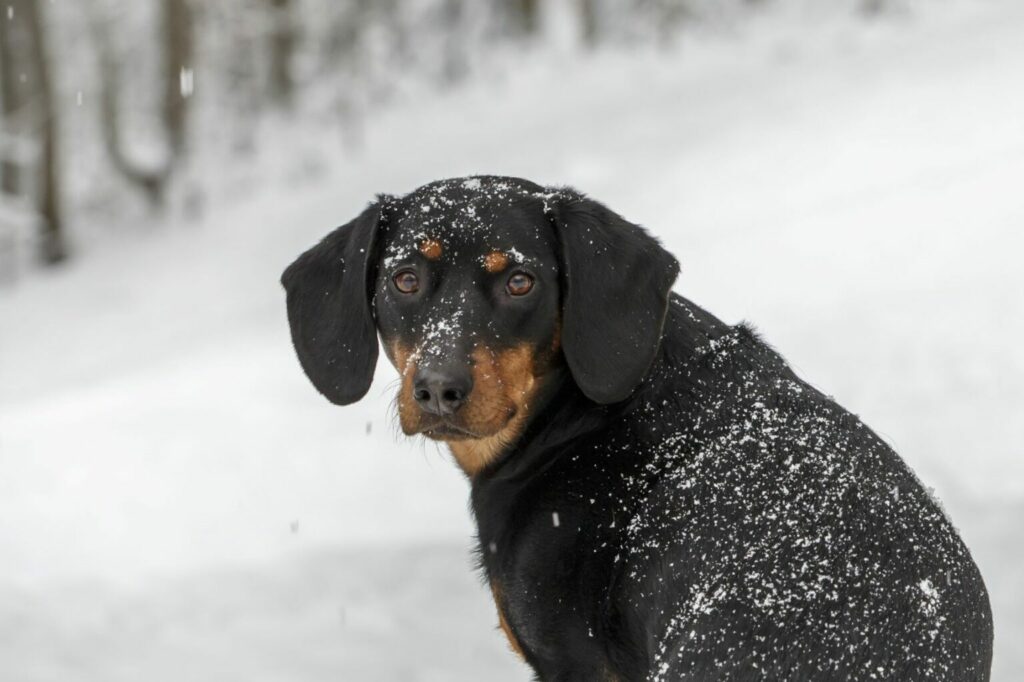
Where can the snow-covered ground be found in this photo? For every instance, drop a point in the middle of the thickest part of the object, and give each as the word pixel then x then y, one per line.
pixel 177 503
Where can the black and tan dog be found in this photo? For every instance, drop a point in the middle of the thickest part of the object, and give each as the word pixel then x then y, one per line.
pixel 658 496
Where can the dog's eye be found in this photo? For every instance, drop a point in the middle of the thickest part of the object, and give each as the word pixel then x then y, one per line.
pixel 519 284
pixel 407 282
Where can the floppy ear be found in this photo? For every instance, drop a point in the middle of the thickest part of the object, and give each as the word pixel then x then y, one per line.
pixel 329 293
pixel 616 280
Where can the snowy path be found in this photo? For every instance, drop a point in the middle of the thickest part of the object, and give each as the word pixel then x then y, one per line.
pixel 172 490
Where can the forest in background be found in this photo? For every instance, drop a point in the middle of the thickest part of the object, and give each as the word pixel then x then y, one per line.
pixel 111 108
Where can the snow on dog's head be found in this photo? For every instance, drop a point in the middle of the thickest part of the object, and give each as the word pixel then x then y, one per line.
pixel 483 290
pixel 467 306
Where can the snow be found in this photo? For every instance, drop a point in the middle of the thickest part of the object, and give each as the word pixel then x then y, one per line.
pixel 177 501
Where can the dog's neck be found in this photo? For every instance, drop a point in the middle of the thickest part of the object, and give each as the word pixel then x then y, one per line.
pixel 561 413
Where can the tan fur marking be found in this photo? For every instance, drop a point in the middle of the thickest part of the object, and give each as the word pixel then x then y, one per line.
pixel 402 359
pixel 504 385
pixel 513 643
pixel 399 356
pixel 473 455
pixel 556 339
pixel 495 261
pixel 431 249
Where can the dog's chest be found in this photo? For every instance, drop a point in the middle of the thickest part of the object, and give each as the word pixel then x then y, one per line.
pixel 542 618
pixel 548 579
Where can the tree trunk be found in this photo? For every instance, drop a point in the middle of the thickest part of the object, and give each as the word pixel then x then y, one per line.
pixel 283 40
pixel 28 89
pixel 451 26
pixel 10 101
pixel 178 70
pixel 588 22
pixel 12 92
pixel 525 16
pixel 148 180
pixel 178 73
pixel 48 200
pixel 873 7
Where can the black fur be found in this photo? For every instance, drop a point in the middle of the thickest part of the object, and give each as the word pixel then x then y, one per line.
pixel 687 509
pixel 328 294
pixel 727 522
pixel 612 314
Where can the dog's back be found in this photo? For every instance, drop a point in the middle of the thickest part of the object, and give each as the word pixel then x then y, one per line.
pixel 750 529
pixel 808 543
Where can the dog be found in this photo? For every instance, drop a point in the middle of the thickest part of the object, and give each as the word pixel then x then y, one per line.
pixel 657 495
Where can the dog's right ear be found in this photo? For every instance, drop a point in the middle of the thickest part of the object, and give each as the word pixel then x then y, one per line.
pixel 329 289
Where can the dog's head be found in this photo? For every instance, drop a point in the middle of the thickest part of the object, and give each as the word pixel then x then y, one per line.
pixel 480 290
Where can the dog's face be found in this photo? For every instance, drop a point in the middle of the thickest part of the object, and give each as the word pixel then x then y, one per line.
pixel 481 289
pixel 467 308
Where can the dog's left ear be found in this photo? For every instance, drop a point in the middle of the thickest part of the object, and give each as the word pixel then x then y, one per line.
pixel 616 280
pixel 329 289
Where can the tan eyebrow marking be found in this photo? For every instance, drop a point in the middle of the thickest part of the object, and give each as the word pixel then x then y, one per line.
pixel 495 261
pixel 431 249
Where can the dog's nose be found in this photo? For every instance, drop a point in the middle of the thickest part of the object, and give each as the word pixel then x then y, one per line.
pixel 442 391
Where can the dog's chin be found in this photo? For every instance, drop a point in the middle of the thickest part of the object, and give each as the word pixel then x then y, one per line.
pixel 450 431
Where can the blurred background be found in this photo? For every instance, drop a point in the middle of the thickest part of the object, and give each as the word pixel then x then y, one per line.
pixel 178 503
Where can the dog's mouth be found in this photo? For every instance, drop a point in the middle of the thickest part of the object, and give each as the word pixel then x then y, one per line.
pixel 447 431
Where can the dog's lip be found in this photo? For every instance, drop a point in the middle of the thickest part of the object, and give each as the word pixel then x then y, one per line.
pixel 445 429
